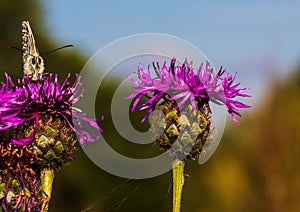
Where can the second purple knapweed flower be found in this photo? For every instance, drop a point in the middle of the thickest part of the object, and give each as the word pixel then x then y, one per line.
pixel 183 95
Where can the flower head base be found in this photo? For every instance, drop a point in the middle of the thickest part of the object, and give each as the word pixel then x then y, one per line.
pixel 185 84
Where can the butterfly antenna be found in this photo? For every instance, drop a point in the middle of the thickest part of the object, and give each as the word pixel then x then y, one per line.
pixel 63 47
pixel 16 48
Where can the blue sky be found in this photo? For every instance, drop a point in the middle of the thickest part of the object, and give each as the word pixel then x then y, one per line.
pixel 257 39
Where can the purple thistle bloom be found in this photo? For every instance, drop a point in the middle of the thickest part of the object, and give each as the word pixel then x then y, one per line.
pixel 184 84
pixel 24 102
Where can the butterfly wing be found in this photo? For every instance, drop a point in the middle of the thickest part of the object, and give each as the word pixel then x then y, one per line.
pixel 28 42
pixel 32 62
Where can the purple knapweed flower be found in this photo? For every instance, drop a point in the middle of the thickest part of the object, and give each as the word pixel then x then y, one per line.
pixel 27 100
pixel 184 84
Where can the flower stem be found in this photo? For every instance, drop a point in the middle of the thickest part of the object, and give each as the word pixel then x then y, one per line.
pixel 178 181
pixel 47 177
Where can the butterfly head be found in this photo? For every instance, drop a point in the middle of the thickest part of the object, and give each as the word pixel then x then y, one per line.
pixel 34 66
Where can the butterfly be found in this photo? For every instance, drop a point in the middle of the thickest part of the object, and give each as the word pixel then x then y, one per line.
pixel 33 63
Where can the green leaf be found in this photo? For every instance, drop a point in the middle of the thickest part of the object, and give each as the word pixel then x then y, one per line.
pixel 171 114
pixel 172 131
pixel 43 142
pixel 184 122
pixel 50 155
pixel 50 132
pixel 2 190
pixel 186 139
pixel 59 147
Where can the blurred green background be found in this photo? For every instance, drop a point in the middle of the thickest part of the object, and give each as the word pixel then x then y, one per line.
pixel 255 168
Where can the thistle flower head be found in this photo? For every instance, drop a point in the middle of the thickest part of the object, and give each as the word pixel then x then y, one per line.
pixel 184 84
pixel 182 94
pixel 29 99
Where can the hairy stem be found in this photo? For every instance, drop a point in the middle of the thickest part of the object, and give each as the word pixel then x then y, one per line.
pixel 47 177
pixel 178 181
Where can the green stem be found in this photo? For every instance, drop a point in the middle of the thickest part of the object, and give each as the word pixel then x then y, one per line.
pixel 178 181
pixel 47 177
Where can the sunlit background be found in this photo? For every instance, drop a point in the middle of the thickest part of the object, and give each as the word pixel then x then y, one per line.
pixel 255 168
